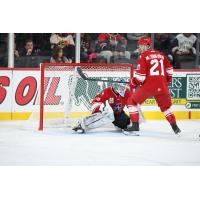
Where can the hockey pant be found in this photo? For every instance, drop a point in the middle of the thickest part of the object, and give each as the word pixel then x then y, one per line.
pixel 122 120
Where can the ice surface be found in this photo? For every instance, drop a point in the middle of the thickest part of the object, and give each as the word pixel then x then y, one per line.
pixel 157 145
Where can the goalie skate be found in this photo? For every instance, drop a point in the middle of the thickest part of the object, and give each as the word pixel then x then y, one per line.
pixel 79 129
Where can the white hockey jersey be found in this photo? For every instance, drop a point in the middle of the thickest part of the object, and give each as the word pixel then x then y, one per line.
pixel 185 43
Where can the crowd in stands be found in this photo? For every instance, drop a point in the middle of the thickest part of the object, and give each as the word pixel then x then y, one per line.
pixel 34 48
pixel 3 49
pixel 180 48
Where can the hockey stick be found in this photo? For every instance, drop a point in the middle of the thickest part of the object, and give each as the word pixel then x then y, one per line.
pixel 82 75
pixel 141 115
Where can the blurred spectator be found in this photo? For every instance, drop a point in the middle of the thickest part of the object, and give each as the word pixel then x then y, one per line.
pixel 184 48
pixel 66 42
pixel 162 42
pixel 43 48
pixel 120 50
pixel 111 44
pixel 86 47
pixel 88 53
pixel 29 49
pixel 58 56
pixel 93 36
pixel 3 54
pixel 136 36
pixel 132 43
pixel 3 50
pixel 16 53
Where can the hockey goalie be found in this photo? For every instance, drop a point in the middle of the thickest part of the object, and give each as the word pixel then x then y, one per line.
pixel 108 107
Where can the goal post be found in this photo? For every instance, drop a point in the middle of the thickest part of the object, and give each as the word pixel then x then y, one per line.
pixel 66 96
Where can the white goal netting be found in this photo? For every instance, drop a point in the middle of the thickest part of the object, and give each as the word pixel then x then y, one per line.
pixel 65 97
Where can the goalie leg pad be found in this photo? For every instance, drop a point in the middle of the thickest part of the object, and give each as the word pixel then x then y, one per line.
pixel 97 120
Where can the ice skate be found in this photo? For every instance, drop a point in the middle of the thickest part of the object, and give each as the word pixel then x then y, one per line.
pixel 175 129
pixel 132 130
pixel 78 129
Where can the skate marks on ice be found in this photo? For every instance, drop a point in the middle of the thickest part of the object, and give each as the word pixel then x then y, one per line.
pixel 157 130
pixel 190 130
pixel 157 145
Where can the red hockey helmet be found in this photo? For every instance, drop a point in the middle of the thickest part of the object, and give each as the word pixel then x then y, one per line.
pixel 145 41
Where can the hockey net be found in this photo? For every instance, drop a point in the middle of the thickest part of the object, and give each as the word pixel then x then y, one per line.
pixel 64 97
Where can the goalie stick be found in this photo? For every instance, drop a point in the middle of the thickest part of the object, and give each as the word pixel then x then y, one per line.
pixel 82 75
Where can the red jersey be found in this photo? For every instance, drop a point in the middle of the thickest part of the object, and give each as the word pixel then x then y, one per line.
pixel 117 102
pixel 154 71
pixel 106 36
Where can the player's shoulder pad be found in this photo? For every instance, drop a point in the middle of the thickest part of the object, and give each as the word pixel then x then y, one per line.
pixel 142 55
pixel 127 92
pixel 146 53
pixel 106 90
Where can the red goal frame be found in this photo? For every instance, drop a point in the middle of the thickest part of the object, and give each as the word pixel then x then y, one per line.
pixel 42 76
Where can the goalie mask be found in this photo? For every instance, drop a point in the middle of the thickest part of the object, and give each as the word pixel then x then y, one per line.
pixel 119 88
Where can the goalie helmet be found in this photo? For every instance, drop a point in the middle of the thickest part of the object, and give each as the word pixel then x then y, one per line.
pixel 119 88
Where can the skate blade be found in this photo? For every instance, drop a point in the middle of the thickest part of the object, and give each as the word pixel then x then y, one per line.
pixel 80 131
pixel 178 134
pixel 130 133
